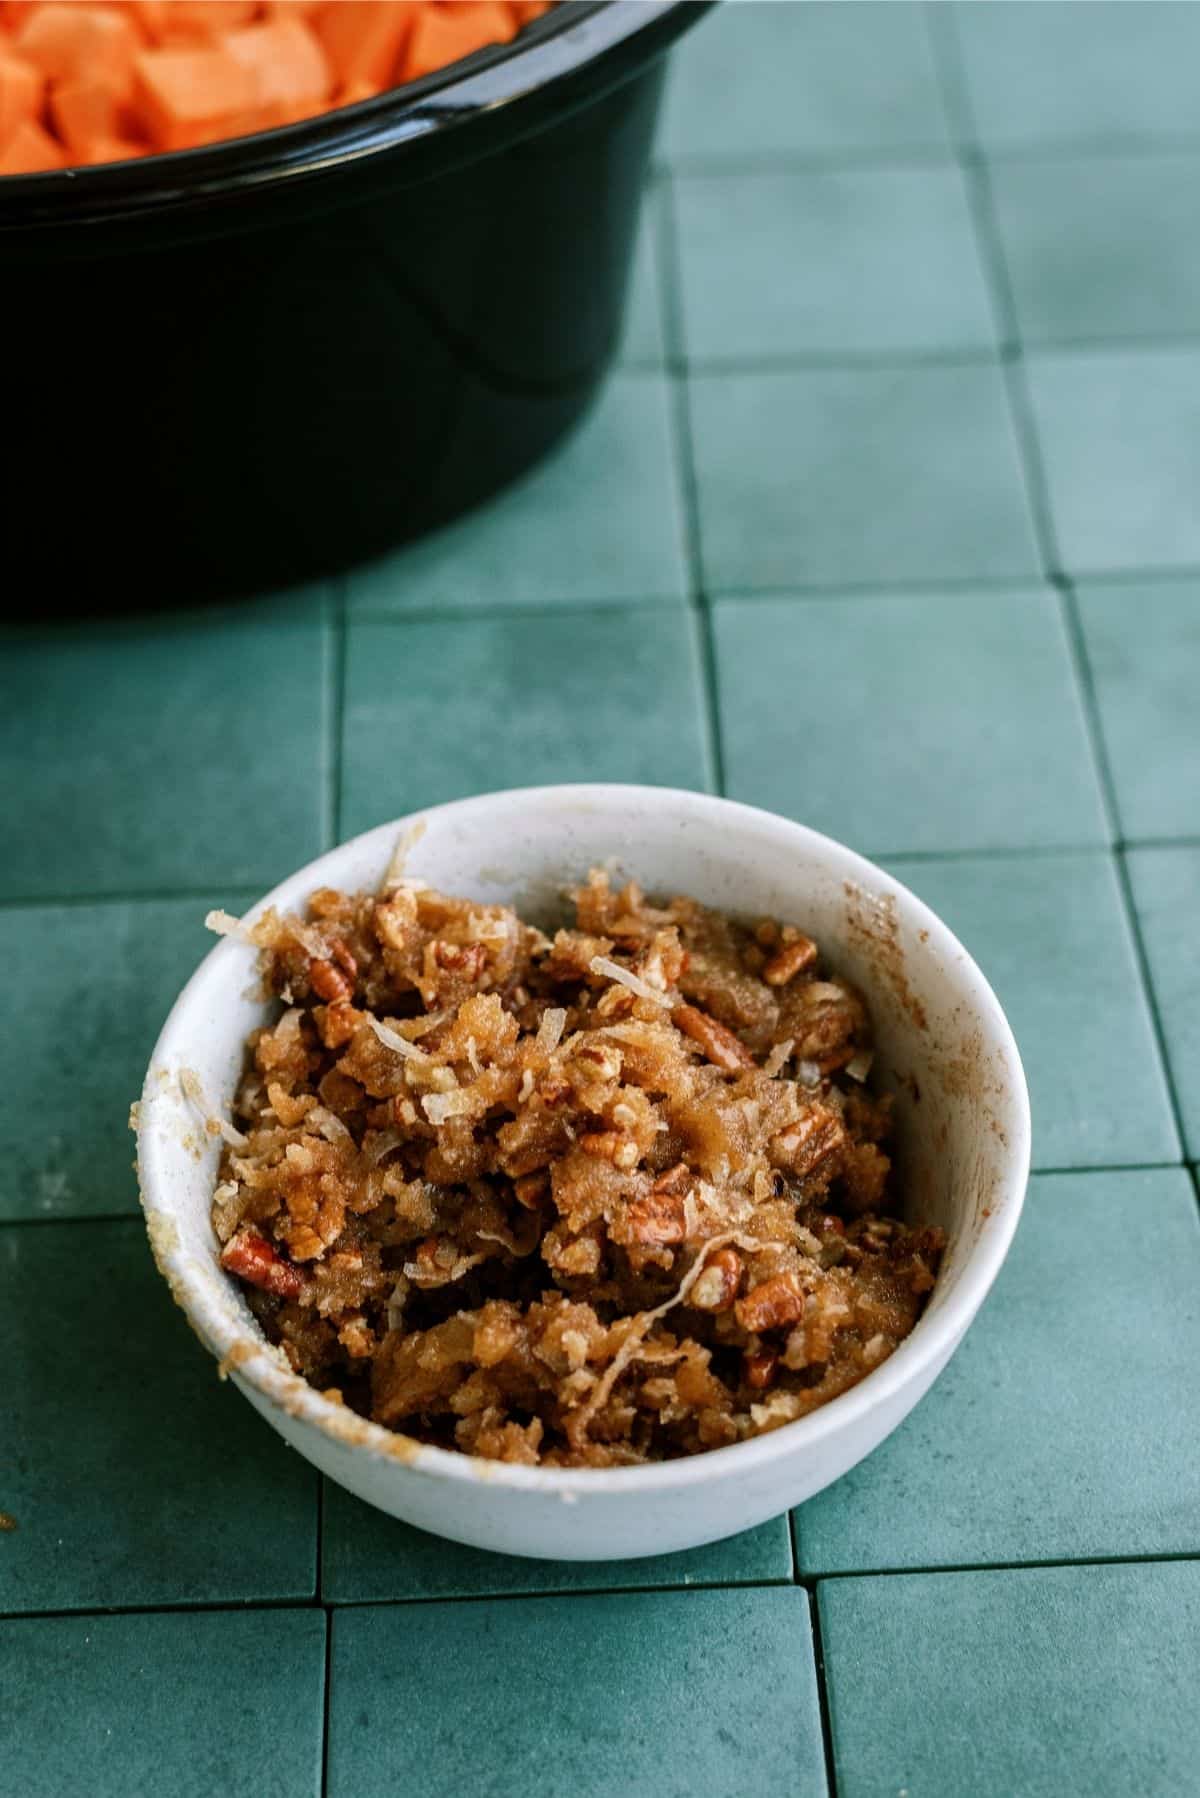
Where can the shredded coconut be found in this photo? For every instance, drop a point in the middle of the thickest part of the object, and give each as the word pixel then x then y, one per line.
pixel 406 842
pixel 860 1066
pixel 777 1060
pixel 550 1029
pixel 193 1090
pixel 603 964
pixel 391 1039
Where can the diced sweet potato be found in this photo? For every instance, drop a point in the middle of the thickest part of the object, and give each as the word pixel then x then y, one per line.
pixel 364 39
pixel 28 149
pixel 22 87
pixel 188 97
pixel 442 34
pixel 69 42
pixel 290 65
pixel 83 111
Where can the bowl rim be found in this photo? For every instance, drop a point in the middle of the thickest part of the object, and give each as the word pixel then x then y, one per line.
pixel 244 1350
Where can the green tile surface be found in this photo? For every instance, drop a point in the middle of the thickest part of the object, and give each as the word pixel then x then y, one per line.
pixel 143 1704
pixel 1101 247
pixel 761 79
pixel 598 523
pixel 841 262
pixel 367 1556
pixel 1166 892
pixel 986 1469
pixel 888 522
pixel 1143 649
pixel 1086 75
pixel 134 1476
pixel 1122 455
pixel 897 696
pixel 143 751
pixel 437 710
pixel 100 978
pixel 812 478
pixel 668 1692
pixel 1050 933
pixel 1038 1681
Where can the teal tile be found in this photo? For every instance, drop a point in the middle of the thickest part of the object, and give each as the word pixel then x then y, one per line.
pixel 222 1702
pixel 367 1556
pixel 599 522
pixel 902 722
pixel 170 752
pixel 134 1476
pixel 759 78
pixel 642 342
pixel 1050 933
pixel 436 711
pixel 829 263
pixel 1064 1427
pixel 839 477
pixel 1102 247
pixel 1042 1682
pixel 1166 895
pixel 669 1692
pixel 1120 436
pixel 1092 76
pixel 92 986
pixel 1143 646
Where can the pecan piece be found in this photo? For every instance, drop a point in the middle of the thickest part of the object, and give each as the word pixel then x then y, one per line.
pixel 466 959
pixel 676 1179
pixel 804 1145
pixel 658 1218
pixel 329 983
pixel 791 959
pixel 720 1045
pixel 253 1259
pixel 759 1370
pixel 777 1301
pixel 611 1145
pixel 336 1024
pixel 716 1288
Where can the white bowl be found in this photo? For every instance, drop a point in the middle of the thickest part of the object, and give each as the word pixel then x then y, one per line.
pixel 943 1047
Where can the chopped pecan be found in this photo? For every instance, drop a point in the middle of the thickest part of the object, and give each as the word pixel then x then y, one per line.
pixel 716 1288
pixel 658 1218
pixel 336 1024
pixel 466 959
pixel 253 1259
pixel 777 1301
pixel 329 982
pixel 759 1370
pixel 720 1045
pixel 611 1145
pixel 340 952
pixel 805 1144
pixel 675 1179
pixel 531 1189
pixel 791 959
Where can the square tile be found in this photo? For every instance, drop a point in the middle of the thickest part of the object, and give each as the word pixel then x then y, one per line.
pixel 1042 1681
pixel 1120 437
pixel 170 751
pixel 837 263
pixel 1101 247
pixel 435 711
pixel 896 722
pixel 1017 1454
pixel 92 987
pixel 1143 646
pixel 598 523
pixel 759 78
pixel 841 477
pixel 1166 894
pixel 135 1477
pixel 642 343
pixel 1051 935
pixel 161 1703
pixel 366 1556
pixel 657 1691
pixel 1095 76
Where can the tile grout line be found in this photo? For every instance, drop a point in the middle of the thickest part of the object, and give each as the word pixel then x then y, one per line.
pixel 671 287
pixel 818 1647
pixel 335 723
pixel 327 1613
pixel 991 242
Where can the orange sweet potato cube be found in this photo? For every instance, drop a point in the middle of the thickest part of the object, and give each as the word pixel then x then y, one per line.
pixel 67 41
pixel 21 90
pixel 184 97
pixel 364 38
pixel 289 64
pixel 28 149
pixel 444 33
pixel 82 111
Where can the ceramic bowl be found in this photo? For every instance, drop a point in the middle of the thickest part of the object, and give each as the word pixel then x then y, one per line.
pixel 943 1048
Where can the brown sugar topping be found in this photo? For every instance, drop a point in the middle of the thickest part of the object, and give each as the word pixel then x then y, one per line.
pixel 607 1197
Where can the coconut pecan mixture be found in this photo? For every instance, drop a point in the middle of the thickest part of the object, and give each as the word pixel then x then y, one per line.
pixel 612 1196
